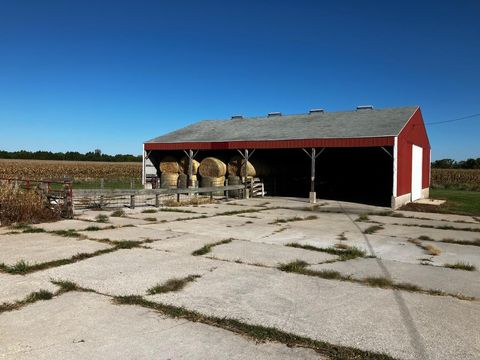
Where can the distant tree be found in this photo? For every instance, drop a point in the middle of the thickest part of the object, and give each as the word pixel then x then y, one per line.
pixel 69 155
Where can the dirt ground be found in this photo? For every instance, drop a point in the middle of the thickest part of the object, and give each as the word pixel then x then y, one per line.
pixel 270 278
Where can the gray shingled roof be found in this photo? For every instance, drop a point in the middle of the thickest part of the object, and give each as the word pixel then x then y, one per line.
pixel 345 124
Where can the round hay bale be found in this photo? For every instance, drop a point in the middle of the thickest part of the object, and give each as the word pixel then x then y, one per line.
pixel 184 165
pixel 236 167
pixel 168 181
pixel 169 165
pixel 182 181
pixel 208 181
pixel 212 167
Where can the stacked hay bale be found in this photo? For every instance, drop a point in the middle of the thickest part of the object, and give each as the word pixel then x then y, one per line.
pixel 169 169
pixel 184 161
pixel 213 172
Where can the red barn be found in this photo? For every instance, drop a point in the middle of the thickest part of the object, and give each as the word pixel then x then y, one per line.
pixel 371 156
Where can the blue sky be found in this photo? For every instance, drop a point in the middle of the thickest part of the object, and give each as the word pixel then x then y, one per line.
pixel 80 75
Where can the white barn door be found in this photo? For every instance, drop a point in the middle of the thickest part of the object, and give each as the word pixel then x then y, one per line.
pixel 417 162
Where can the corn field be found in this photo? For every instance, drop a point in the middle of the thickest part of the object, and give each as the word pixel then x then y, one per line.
pixel 456 178
pixel 78 170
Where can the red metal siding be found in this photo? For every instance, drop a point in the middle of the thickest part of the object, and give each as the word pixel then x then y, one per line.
pixel 275 144
pixel 414 133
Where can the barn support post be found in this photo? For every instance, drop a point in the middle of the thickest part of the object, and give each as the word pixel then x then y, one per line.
pixel 190 156
pixel 313 156
pixel 246 156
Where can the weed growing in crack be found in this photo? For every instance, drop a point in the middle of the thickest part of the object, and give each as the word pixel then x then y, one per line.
pixel 101 218
pixel 175 284
pixel 461 266
pixel 118 213
pixel 344 254
pixel 208 247
pixel 372 229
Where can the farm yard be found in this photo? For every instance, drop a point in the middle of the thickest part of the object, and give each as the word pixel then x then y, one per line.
pixel 256 278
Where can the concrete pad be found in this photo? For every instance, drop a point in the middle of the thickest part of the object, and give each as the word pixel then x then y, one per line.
pixel 266 254
pixel 89 326
pixel 127 233
pixel 131 271
pixel 43 247
pixel 182 243
pixel 452 253
pixel 218 227
pixel 435 202
pixel 427 277
pixel 412 221
pixel 70 225
pixel 17 287
pixel 401 324
pixel 438 216
pixel 414 232
pixel 163 216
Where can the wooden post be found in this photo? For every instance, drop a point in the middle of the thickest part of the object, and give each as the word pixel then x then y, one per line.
pixel 132 201
pixel 68 200
pixel 211 196
pixel 102 202
pixel 190 168
pixel 157 200
pixel 313 195
pixel 226 192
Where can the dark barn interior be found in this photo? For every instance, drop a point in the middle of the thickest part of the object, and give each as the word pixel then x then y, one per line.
pixel 359 174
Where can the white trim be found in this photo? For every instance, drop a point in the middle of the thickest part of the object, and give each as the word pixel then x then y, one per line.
pixel 143 167
pixel 395 164
pixel 417 173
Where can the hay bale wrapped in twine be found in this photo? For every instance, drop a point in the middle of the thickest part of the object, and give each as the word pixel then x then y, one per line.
pixel 209 181
pixel 184 165
pixel 236 167
pixel 212 167
pixel 169 165
pixel 168 180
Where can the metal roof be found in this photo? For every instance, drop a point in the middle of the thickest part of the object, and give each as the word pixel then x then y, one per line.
pixel 327 125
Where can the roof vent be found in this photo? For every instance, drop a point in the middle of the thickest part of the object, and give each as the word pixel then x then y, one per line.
pixel 316 111
pixel 237 117
pixel 365 107
pixel 274 114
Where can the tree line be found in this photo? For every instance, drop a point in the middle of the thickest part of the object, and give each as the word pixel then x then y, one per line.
pixel 69 155
pixel 453 164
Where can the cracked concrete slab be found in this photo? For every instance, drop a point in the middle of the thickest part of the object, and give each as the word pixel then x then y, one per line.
pixel 411 221
pixel 438 216
pixel 43 247
pixel 413 232
pixel 130 271
pixel 452 253
pixel 426 277
pixel 17 287
pixel 404 325
pixel 266 254
pixel 69 225
pixel 182 243
pixel 84 325
pixel 127 233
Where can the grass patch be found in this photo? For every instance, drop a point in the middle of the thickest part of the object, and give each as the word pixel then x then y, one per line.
pixel 92 228
pixel 118 213
pixel 292 219
pixel 67 233
pixel 256 332
pixel 475 242
pixel 362 217
pixel 29 299
pixel 344 254
pixel 425 237
pixel 149 211
pixel 125 244
pixel 31 229
pixel 430 249
pixel 175 284
pixel 208 247
pixel 65 285
pixel 461 266
pixel 152 219
pixel 236 212
pixel 342 246
pixel 372 229
pixel 177 210
pixel 20 267
pixel 101 218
